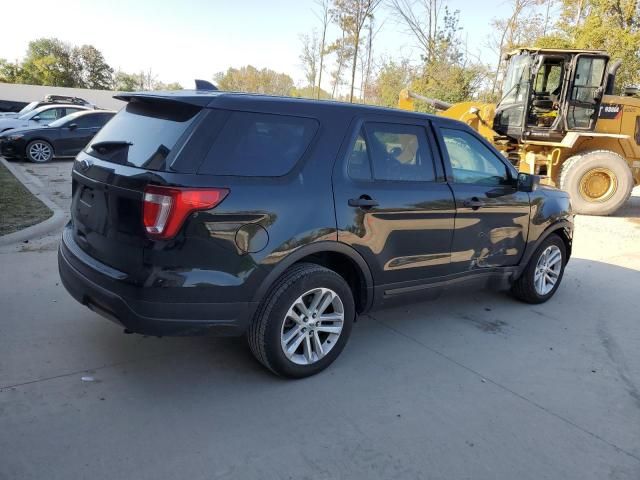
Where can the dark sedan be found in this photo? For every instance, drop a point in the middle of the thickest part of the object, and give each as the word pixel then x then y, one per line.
pixel 65 137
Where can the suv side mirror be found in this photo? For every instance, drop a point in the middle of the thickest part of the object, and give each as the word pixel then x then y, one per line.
pixel 73 126
pixel 36 118
pixel 527 182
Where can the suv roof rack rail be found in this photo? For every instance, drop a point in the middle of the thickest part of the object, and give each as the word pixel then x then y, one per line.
pixel 65 99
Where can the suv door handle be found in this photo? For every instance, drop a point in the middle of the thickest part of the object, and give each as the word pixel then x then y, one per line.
pixel 474 203
pixel 364 202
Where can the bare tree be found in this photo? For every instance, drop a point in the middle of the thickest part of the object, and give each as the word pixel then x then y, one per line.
pixel 422 21
pixel 310 58
pixel 366 60
pixel 325 18
pixel 342 49
pixel 351 16
pixel 522 26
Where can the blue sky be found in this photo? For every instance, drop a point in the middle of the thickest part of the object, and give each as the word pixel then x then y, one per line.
pixel 182 40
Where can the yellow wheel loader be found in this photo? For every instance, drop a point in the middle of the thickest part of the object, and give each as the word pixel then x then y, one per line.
pixel 558 118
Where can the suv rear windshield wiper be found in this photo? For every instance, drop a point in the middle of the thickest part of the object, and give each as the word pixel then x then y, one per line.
pixel 111 144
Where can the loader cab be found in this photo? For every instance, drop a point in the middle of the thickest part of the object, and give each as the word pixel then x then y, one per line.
pixel 547 93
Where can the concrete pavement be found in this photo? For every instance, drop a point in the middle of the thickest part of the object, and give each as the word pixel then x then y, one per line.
pixel 473 385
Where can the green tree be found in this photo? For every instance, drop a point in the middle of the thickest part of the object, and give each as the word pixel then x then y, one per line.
pixel 10 72
pixel 250 79
pixel 392 77
pixel 309 92
pixel 168 86
pixel 94 72
pixel 126 82
pixel 447 72
pixel 610 25
pixel 49 61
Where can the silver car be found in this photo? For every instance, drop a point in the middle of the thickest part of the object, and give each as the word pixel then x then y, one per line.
pixel 40 116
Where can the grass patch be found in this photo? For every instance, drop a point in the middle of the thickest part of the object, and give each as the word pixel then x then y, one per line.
pixel 18 207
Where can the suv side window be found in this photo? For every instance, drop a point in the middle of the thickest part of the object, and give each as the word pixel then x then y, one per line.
pixel 259 145
pixel 471 161
pixel 394 152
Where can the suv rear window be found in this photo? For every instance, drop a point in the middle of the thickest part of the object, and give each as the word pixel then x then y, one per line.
pixel 259 145
pixel 143 134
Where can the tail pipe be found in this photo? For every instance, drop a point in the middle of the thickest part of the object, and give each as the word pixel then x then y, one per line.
pixel 611 77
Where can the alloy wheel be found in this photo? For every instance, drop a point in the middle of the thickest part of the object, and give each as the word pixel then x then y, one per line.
pixel 40 152
pixel 548 270
pixel 312 326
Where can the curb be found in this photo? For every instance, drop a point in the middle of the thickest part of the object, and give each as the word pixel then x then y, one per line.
pixel 55 222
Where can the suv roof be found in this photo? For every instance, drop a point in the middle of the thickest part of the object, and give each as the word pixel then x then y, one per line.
pixel 202 98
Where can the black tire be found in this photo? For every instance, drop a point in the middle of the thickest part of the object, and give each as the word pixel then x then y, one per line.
pixel 264 334
pixel 524 287
pixel 44 146
pixel 576 167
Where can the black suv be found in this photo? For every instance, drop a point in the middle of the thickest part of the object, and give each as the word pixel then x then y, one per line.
pixel 283 218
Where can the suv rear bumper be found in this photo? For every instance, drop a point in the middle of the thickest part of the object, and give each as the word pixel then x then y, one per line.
pixel 103 295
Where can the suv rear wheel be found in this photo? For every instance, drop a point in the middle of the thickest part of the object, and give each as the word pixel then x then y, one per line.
pixel 304 322
pixel 543 274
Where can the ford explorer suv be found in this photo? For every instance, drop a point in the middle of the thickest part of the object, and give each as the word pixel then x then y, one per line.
pixel 283 219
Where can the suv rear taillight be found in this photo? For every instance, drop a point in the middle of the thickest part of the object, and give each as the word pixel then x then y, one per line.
pixel 166 208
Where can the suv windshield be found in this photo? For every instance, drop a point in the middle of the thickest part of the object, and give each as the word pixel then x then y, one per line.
pixel 143 134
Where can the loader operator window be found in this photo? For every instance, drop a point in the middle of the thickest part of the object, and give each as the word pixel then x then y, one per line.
pixel 547 89
pixel 586 92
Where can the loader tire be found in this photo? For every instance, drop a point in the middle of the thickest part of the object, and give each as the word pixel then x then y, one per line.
pixel 598 181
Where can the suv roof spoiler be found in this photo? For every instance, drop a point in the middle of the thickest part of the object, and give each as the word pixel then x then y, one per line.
pixel 200 97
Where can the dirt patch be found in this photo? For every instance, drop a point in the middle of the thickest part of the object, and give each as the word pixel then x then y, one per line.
pixel 18 207
pixel 489 326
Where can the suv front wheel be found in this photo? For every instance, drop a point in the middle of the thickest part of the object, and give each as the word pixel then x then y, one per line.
pixel 304 322
pixel 543 274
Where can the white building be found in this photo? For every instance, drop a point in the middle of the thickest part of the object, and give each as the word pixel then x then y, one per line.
pixel 10 92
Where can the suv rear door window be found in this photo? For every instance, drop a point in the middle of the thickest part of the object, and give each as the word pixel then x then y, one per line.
pixel 259 145
pixel 395 151
pixel 143 134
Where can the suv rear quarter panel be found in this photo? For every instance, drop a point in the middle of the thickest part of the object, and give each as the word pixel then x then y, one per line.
pixel 260 222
